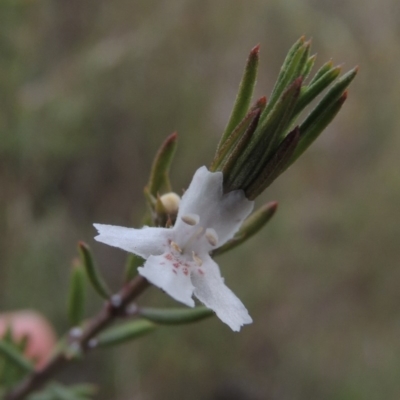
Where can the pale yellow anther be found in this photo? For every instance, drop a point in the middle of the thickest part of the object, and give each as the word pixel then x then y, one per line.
pixel 170 201
pixel 197 259
pixel 211 236
pixel 176 247
pixel 190 219
pixel 199 232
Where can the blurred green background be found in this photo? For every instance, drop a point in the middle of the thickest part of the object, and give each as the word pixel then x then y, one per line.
pixel 88 91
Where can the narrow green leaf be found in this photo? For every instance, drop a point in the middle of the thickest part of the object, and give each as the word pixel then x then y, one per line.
pixel 43 395
pixel 279 118
pixel 77 295
pixel 92 272
pixel 275 166
pixel 239 147
pixel 244 95
pixel 57 391
pixel 9 372
pixel 84 390
pixel 313 90
pixel 151 200
pixel 260 104
pixel 125 333
pixel 334 93
pixel 264 140
pixel 310 132
pixel 60 392
pixel 159 206
pixel 308 67
pixel 323 113
pixel 8 335
pixel 175 316
pixel 229 143
pixel 322 71
pixel 159 174
pixel 302 67
pixel 22 343
pixel 291 69
pixel 10 353
pixel 250 227
pixel 287 63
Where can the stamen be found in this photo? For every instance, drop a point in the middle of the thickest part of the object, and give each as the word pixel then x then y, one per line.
pixel 176 247
pixel 195 236
pixel 199 232
pixel 190 219
pixel 211 236
pixel 197 259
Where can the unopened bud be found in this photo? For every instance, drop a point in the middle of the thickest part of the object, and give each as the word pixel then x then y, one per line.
pixel 170 202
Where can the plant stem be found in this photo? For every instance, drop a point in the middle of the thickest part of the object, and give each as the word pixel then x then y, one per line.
pixel 112 309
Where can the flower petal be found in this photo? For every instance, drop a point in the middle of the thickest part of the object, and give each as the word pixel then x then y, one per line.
pixel 211 290
pixel 169 275
pixel 205 185
pixel 222 212
pixel 143 242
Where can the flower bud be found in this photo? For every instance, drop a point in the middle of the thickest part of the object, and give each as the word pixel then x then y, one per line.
pixel 41 336
pixel 170 201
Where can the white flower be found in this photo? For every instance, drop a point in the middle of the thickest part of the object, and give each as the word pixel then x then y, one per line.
pixel 178 259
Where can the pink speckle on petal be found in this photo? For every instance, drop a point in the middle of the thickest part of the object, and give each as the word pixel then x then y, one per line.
pixel 176 265
pixel 200 271
pixel 169 257
pixel 185 271
pixel 174 271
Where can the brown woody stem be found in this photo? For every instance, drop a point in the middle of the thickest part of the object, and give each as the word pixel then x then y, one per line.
pixel 111 311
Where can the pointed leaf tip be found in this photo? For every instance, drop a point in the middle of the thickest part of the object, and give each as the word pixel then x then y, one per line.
pixel 272 206
pixel 261 102
pixel 171 138
pixel 255 50
pixel 245 93
pixel 298 82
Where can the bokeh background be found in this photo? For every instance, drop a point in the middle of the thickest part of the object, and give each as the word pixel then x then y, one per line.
pixel 88 91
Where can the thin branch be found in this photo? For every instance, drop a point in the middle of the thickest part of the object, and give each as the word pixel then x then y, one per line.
pixel 112 309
